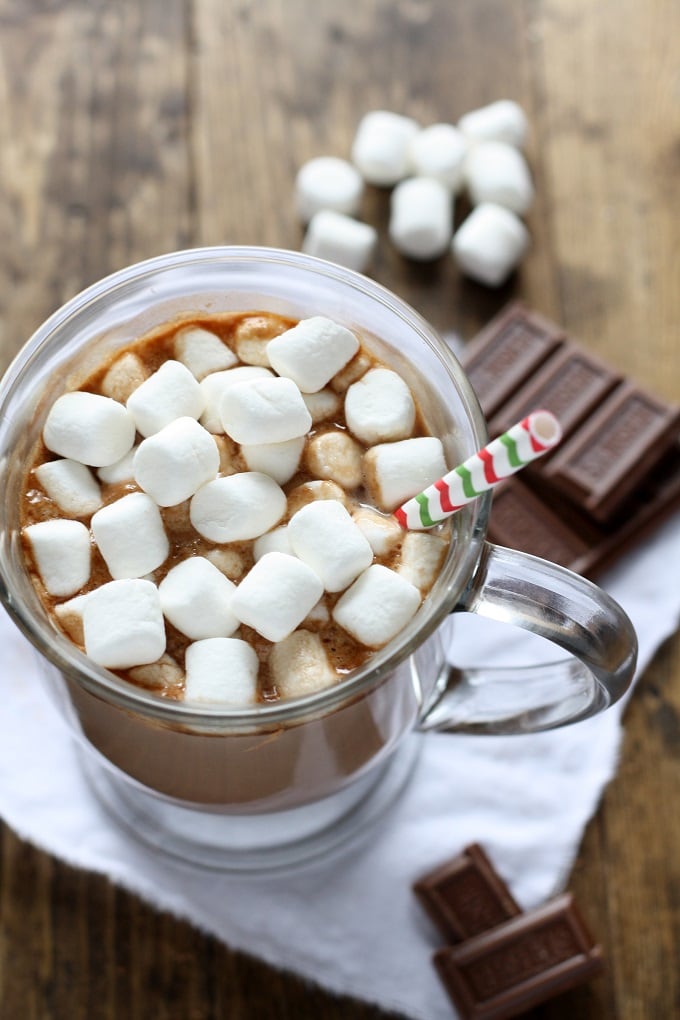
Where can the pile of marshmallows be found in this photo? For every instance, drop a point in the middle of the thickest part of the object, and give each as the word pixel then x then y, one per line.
pixel 184 411
pixel 428 167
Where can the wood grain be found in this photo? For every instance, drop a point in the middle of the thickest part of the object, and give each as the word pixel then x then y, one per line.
pixel 134 128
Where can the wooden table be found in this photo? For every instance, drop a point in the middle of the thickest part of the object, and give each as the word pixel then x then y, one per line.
pixel 132 128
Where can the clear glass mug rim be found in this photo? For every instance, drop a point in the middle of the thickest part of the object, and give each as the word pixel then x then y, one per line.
pixel 70 660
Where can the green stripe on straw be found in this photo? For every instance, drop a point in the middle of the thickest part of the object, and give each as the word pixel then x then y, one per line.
pixel 468 487
pixel 511 445
pixel 423 504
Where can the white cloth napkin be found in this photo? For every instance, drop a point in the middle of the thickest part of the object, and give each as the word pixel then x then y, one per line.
pixel 352 923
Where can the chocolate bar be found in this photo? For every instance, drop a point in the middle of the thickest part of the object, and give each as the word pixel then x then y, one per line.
pixel 616 474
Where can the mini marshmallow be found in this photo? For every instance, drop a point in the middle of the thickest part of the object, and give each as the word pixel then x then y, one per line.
pixel 71 485
pixel 171 465
pixel 272 541
pixel 196 599
pixel 264 411
pixel 336 456
pixel 420 558
pixel 202 351
pixel 496 172
pixel 130 536
pixel 89 428
pixel 299 665
pixel 439 151
pixel 489 244
pixel 324 536
pixel 395 472
pixel 215 385
pixel 308 492
pixel 228 452
pixel 70 616
pixel 229 561
pixel 312 352
pixel 502 121
pixel 123 624
pixel 62 553
pixel 421 218
pixel 125 375
pixel 121 471
pixel 318 615
pixel 340 239
pixel 327 183
pixel 278 460
pixel 379 407
pixel 276 595
pixel 322 405
pixel 380 146
pixel 171 392
pixel 352 371
pixel 382 533
pixel 252 335
pixel 238 507
pixel 377 606
pixel 221 670
pixel 163 675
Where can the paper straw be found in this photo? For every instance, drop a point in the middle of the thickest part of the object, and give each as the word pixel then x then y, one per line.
pixel 529 439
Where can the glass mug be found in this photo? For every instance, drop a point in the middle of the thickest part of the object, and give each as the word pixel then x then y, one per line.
pixel 276 783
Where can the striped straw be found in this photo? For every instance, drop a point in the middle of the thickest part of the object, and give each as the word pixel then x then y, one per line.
pixel 529 439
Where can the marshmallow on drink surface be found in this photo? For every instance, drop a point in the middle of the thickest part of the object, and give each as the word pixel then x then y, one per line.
pixel 62 553
pixel 299 665
pixel 380 149
pixel 421 218
pixel 130 536
pixel 237 507
pixel 336 456
pixel 396 471
pixel 70 616
pixel 264 411
pixel 276 595
pixel 382 533
pixel 123 624
pixel 327 183
pixel 89 428
pixel 338 238
pixel 202 352
pixel 489 244
pixel 278 460
pixel 324 536
pixel 318 488
pixel 496 172
pixel 275 540
pixel 380 407
pixel 323 404
pixel 420 558
pixel 124 376
pixel 215 385
pixel 122 471
pixel 196 599
pixel 377 606
pixel 171 392
pixel 502 121
pixel 312 352
pixel 439 151
pixel 171 465
pixel 71 485
pixel 221 669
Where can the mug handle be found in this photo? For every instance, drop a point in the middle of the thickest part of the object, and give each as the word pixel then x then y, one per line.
pixel 548 600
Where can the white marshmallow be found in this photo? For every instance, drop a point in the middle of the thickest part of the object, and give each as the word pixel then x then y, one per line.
pixel 299 665
pixel 252 334
pixel 396 471
pixel 264 411
pixel 121 471
pixel 496 172
pixel 222 670
pixel 338 238
pixel 229 561
pixel 123 624
pixel 377 606
pixel 502 121
pixel 215 385
pixel 322 405
pixel 382 533
pixel 70 616
pixel 324 536
pixel 130 536
pixel 162 675
pixel 171 392
pixel 196 599
pixel 278 460
pixel 489 244
pixel 352 371
pixel 171 465
pixel 276 595
pixel 202 351
pixel 71 485
pixel 327 183
pixel 125 375
pixel 337 456
pixel 421 218
pixel 320 488
pixel 379 407
pixel 89 428
pixel 62 553
pixel 237 507
pixel 272 541
pixel 420 558
pixel 312 352
pixel 439 151
pixel 318 615
pixel 380 146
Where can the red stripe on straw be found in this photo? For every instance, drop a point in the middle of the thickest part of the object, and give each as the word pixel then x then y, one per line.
pixel 536 445
pixel 401 517
pixel 445 494
pixel 489 469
